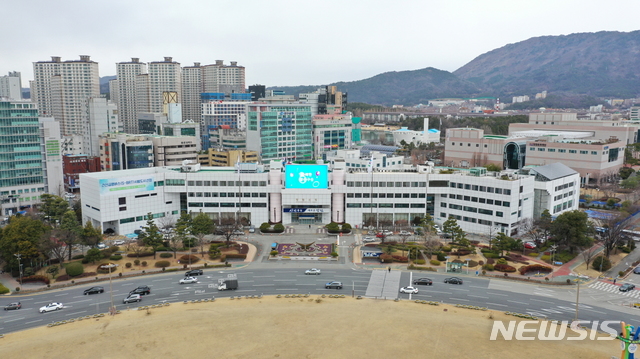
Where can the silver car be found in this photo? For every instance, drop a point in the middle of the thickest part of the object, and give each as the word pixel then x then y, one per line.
pixel 132 298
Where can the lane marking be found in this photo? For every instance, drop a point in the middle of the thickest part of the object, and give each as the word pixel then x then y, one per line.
pixel 477 296
pixel 503 295
pixel 500 305
pixel 35 321
pixel 513 301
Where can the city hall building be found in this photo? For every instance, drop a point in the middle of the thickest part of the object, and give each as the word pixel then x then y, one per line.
pixel 317 194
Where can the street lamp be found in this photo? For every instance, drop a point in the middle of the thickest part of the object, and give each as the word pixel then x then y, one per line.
pixel 112 309
pixel 468 259
pixel 446 264
pixel 577 297
pixel 18 255
pixel 553 263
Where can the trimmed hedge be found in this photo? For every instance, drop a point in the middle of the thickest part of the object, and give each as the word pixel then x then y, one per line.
pixel 141 254
pixel 473 263
pixel 419 261
pixel 78 256
pixel 504 268
pixel 534 268
pixel 115 257
pixel 74 269
pixel 434 262
pixel 386 258
pixel 166 255
pixel 35 278
pixel 162 264
pixel 491 255
pixel 488 267
pixel 3 289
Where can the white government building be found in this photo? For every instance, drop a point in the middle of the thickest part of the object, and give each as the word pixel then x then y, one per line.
pixel 319 194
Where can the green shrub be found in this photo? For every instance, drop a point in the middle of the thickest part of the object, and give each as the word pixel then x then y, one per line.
pixel 115 257
pixel 128 265
pixel 626 249
pixel 141 254
pixel 85 261
pixel 78 256
pixel 274 253
pixel 546 258
pixel 434 262
pixel 501 261
pixel 185 258
pixel 491 255
pixel 3 289
pixel 419 261
pixel 144 263
pixel 264 227
pixel 74 269
pixel 278 228
pixel 488 267
pixel 441 256
pixel 446 249
pixel 162 249
pixel 472 263
pixel 346 228
pixel 606 264
pixel 334 254
pixel 166 255
pixel 534 254
pixel 162 264
pixel 136 262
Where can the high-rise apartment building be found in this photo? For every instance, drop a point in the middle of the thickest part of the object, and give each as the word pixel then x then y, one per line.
pixel 219 77
pixel 11 86
pixel 192 87
pixel 103 117
pixel 61 89
pixel 164 76
pixel 127 74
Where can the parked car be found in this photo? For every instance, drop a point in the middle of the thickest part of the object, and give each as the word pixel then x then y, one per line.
pixel 314 271
pixel 529 245
pixel 187 280
pixel 51 307
pixel 636 270
pixel 119 242
pixel 13 306
pixel 334 284
pixel 405 233
pixel 453 280
pixel 238 232
pixel 409 290
pixel 423 281
pixel 627 287
pixel 94 290
pixel 142 290
pixel 252 229
pixel 193 272
pixel 380 235
pixel 368 240
pixel 132 298
pixel 101 246
pixel 388 233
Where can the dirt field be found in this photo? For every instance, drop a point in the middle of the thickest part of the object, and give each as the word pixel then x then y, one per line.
pixel 292 328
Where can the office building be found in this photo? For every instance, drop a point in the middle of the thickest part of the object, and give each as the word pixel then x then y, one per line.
pixel 280 131
pixel 331 133
pixel 103 117
pixel 29 151
pixel 61 89
pixel 319 194
pixel 226 158
pixel 192 87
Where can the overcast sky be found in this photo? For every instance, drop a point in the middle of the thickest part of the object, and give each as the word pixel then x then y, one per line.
pixel 285 42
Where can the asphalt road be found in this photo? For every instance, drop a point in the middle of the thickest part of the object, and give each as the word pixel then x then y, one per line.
pixel 551 302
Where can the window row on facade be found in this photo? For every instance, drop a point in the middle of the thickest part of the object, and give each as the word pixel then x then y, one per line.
pixel 386 195
pixel 386 205
pixel 487 189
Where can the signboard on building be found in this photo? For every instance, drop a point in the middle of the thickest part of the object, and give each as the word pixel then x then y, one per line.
pixel 303 210
pixel 121 186
pixel 306 176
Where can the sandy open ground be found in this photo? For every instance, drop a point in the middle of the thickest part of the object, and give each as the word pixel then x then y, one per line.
pixel 291 328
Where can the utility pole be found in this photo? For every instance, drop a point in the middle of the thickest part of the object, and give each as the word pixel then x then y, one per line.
pixel 19 266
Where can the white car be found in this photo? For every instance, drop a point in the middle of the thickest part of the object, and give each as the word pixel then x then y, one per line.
pixel 119 242
pixel 409 290
pixel 101 246
pixel 188 280
pixel 405 233
pixel 387 233
pixel 51 307
pixel 312 271
pixel 368 240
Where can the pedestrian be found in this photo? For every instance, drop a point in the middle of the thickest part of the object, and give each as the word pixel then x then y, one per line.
pixel 389 269
pixel 614 280
pixel 309 226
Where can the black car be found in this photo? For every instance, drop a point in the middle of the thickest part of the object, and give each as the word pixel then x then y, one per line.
pixel 13 306
pixel 142 290
pixel 627 287
pixel 453 280
pixel 636 270
pixel 423 281
pixel 193 272
pixel 94 290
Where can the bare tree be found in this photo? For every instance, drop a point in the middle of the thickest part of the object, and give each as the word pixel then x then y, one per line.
pixel 588 254
pixel 531 230
pixel 432 245
pixel 611 233
pixel 228 228
pixel 52 246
